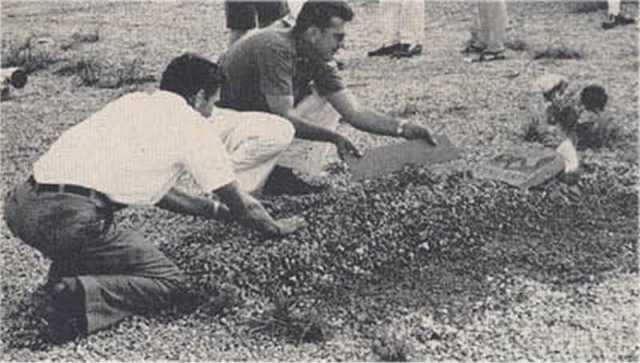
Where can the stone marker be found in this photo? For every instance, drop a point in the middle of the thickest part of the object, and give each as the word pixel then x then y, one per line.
pixel 389 158
pixel 522 167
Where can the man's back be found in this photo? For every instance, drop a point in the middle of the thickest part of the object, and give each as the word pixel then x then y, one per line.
pixel 134 149
pixel 258 64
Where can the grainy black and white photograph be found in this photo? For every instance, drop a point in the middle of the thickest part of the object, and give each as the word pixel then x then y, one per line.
pixel 319 180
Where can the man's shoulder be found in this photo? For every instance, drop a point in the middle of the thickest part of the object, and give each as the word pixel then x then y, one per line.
pixel 271 38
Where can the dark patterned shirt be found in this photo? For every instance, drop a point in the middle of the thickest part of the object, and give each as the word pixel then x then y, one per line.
pixel 268 62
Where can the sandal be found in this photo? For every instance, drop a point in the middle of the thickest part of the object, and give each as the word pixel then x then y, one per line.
pixel 472 48
pixel 489 57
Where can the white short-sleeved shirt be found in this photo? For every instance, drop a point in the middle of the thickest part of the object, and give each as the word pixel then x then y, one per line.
pixel 135 148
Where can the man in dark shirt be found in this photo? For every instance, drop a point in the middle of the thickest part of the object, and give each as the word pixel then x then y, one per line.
pixel 272 70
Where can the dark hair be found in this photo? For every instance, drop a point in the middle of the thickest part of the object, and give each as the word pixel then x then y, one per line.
pixel 594 97
pixel 319 13
pixel 189 73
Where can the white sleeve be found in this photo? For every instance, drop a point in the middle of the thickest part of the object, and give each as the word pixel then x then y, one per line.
pixel 206 157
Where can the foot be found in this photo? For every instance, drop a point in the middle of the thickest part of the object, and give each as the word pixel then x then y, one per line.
pixel 416 49
pixel 489 56
pixel 64 318
pixel 282 181
pixel 570 178
pixel 387 50
pixel 615 20
pixel 623 20
pixel 402 52
pixel 473 47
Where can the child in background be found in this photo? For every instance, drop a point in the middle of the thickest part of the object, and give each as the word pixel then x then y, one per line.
pixel 565 114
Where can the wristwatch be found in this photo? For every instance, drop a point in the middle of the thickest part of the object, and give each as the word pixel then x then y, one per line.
pixel 400 129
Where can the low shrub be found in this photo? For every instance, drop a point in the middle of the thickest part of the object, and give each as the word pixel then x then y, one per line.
pixel 93 73
pixel 31 55
pixel 558 52
pixel 79 38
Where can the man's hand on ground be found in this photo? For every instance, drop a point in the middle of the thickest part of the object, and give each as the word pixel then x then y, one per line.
pixel 222 212
pixel 290 225
pixel 412 131
pixel 346 148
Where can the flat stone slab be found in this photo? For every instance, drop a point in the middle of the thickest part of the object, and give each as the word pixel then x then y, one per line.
pixel 522 167
pixel 387 159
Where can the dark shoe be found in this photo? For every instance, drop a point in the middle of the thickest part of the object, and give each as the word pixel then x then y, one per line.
pixel 610 23
pixel 623 20
pixel 416 49
pixel 65 314
pixel 472 47
pixel 282 181
pixel 489 57
pixel 402 52
pixel 388 50
pixel 615 20
pixel 570 178
pixel 62 329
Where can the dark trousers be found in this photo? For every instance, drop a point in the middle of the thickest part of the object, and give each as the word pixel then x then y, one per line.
pixel 241 14
pixel 120 272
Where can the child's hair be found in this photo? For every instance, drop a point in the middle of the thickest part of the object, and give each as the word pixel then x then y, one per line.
pixel 594 98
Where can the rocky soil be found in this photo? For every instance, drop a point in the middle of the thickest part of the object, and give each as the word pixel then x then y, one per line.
pixel 419 265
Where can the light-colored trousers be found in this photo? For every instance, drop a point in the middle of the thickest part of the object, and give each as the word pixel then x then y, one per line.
pixel 490 25
pixel 402 21
pixel 614 7
pixel 254 142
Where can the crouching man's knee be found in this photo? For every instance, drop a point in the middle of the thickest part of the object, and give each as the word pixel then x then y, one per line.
pixel 281 132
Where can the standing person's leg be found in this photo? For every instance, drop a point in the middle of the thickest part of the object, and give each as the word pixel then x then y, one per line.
pixel 411 27
pixel 414 15
pixel 614 7
pixel 476 42
pixel 493 20
pixel 614 17
pixel 390 20
pixel 254 141
pixel 240 18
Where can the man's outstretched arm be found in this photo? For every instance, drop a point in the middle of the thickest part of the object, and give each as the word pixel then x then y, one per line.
pixel 236 206
pixel 366 119
pixel 283 106
pixel 180 202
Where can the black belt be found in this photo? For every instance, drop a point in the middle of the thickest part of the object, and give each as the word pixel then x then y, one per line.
pixel 68 188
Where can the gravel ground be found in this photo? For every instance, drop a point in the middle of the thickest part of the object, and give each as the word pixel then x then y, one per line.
pixel 422 265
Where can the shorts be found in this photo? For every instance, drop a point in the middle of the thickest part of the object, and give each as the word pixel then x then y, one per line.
pixel 241 15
